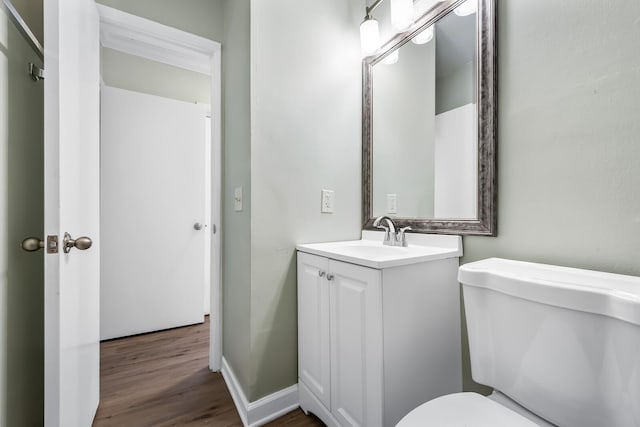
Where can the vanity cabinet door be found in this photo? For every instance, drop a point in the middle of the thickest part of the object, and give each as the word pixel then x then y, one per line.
pixel 356 344
pixel 313 325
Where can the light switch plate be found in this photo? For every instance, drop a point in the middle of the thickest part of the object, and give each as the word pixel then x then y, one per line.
pixel 392 206
pixel 237 199
pixel 327 201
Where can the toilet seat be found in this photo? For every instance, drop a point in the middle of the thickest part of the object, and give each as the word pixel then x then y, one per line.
pixel 463 410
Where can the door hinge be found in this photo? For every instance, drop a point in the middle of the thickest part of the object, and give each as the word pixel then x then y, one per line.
pixel 52 244
pixel 36 72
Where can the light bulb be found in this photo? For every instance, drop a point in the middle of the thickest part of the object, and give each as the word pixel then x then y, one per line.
pixel 425 36
pixel 369 36
pixel 392 58
pixel 401 14
pixel 467 8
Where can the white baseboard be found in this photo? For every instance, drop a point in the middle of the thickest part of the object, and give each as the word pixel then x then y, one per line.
pixel 254 414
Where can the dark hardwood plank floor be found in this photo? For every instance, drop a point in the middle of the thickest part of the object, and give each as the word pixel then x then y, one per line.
pixel 163 379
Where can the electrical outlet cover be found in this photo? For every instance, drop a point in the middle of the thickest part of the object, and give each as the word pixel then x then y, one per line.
pixel 392 206
pixel 327 201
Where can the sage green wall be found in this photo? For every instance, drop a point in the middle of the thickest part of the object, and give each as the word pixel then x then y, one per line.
pixel 305 136
pixel 31 12
pixel 21 215
pixel 135 73
pixel 201 17
pixel 236 226
pixel 456 89
pixel 569 136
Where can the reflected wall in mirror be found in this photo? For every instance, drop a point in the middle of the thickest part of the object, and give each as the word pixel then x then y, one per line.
pixel 429 123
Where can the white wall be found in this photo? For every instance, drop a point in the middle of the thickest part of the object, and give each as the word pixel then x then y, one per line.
pixel 305 124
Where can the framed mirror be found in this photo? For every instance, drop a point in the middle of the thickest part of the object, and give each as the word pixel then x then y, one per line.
pixel 430 120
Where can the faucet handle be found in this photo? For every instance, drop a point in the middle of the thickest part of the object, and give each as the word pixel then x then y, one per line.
pixel 387 234
pixel 402 239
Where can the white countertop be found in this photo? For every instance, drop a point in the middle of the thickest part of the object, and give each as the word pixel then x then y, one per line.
pixel 370 252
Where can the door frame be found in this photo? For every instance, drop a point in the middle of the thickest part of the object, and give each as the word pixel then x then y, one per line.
pixel 142 37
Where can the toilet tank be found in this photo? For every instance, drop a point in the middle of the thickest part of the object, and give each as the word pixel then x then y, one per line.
pixel 562 342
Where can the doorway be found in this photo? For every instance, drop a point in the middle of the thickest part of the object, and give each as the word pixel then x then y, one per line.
pixel 137 36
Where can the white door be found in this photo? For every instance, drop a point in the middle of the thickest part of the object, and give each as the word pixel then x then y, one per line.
pixel 313 326
pixel 72 280
pixel 153 158
pixel 356 344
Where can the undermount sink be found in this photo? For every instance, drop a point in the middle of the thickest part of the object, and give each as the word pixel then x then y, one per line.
pixel 370 252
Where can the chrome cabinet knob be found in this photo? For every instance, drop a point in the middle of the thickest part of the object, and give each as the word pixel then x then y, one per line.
pixel 197 226
pixel 321 273
pixel 81 243
pixel 329 277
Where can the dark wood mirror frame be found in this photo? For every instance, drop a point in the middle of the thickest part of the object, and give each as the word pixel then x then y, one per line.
pixel 486 222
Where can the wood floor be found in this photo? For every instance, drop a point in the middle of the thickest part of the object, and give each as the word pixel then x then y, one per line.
pixel 163 379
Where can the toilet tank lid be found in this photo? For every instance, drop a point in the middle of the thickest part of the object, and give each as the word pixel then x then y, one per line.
pixel 608 294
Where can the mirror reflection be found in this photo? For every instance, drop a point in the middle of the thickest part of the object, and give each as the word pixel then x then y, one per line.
pixel 424 123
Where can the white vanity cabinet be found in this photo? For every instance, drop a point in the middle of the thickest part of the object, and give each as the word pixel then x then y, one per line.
pixel 374 343
pixel 340 338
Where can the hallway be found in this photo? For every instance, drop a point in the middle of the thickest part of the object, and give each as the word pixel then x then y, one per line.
pixel 162 379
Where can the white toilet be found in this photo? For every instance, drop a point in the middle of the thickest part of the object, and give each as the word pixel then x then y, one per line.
pixel 560 346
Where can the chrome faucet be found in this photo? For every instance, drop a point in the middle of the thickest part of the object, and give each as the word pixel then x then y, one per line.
pixel 391 236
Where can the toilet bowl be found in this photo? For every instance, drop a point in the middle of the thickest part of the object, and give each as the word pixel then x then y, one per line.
pixel 560 346
pixel 472 410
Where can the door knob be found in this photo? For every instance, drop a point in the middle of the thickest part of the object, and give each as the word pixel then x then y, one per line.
pixel 81 243
pixel 32 244
pixel 197 226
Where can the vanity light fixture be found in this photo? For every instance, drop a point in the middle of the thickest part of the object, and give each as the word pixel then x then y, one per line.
pixel 369 36
pixel 392 58
pixel 467 8
pixel 401 20
pixel 424 37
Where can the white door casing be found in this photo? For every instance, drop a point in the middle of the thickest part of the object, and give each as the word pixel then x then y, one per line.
pixel 72 281
pixel 313 326
pixel 356 344
pixel 153 196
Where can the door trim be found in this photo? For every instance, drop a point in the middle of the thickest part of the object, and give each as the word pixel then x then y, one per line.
pixel 139 36
pixel 151 40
